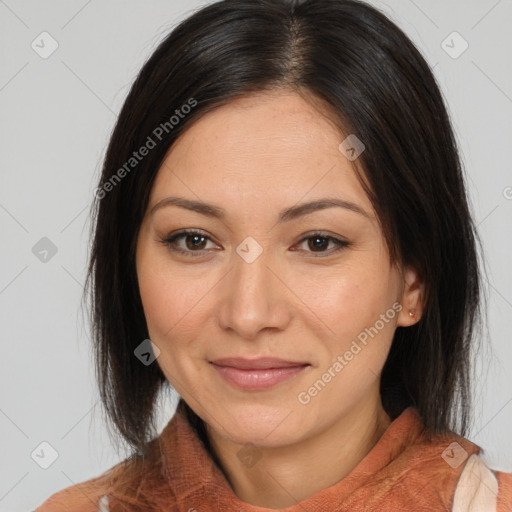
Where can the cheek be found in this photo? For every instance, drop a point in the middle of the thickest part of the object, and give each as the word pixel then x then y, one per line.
pixel 157 302
pixel 169 300
pixel 350 298
pixel 357 321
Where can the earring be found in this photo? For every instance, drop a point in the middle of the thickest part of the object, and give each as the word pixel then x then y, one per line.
pixel 412 313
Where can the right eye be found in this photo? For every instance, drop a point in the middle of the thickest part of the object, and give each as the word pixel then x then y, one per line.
pixel 194 242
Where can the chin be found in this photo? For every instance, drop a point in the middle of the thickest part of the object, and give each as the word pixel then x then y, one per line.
pixel 260 424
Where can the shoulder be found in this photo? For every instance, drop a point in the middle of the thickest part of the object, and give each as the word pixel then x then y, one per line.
pixel 465 482
pixel 480 489
pixel 88 496
pixel 136 483
pixel 442 471
pixel 129 485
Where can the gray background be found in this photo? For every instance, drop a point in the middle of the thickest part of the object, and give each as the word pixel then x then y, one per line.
pixel 56 115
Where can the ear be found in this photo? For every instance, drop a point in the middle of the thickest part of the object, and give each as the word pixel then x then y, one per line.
pixel 412 299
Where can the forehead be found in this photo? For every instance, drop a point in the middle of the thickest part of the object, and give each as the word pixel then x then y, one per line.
pixel 275 145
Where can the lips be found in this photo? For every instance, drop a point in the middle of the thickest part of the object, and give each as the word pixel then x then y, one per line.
pixel 262 363
pixel 257 374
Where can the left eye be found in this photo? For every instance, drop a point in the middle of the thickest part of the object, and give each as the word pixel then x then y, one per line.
pixel 320 241
pixel 195 243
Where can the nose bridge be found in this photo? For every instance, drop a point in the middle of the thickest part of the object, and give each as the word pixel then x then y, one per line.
pixel 252 301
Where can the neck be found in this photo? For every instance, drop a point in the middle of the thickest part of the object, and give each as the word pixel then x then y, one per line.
pixel 287 475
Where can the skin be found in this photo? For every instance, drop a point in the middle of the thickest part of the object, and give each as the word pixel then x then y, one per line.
pixel 254 157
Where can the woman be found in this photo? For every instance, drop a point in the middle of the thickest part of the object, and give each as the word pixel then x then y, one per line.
pixel 282 235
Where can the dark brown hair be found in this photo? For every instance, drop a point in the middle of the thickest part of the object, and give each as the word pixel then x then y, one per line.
pixel 376 83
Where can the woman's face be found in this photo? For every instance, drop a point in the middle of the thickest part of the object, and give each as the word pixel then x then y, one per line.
pixel 263 283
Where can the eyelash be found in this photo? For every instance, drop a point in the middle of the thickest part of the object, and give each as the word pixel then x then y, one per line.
pixel 170 243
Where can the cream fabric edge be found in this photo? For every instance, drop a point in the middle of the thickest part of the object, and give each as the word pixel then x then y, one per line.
pixel 477 488
pixel 103 504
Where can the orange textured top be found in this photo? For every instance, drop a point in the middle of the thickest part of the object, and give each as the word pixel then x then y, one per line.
pixel 405 471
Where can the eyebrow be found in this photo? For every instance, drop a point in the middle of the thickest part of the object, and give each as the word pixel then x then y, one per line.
pixel 285 215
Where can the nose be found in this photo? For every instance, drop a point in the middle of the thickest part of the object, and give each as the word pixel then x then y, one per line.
pixel 253 297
